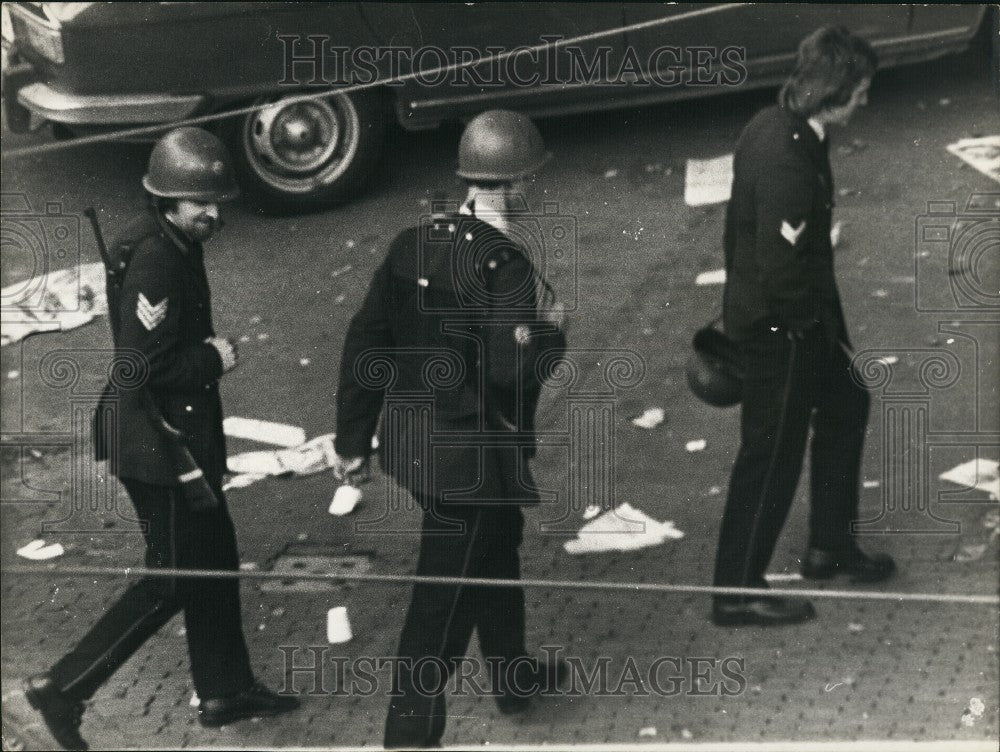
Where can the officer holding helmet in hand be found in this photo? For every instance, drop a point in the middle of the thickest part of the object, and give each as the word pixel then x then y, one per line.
pixel 463 291
pixel 782 308
pixel 163 312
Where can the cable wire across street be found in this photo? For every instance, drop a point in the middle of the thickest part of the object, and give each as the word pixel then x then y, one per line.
pixel 149 130
pixel 403 579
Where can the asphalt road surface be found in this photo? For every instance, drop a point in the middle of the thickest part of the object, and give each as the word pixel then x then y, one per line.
pixel 864 670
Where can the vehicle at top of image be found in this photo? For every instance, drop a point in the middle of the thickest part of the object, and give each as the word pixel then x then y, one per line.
pixel 91 67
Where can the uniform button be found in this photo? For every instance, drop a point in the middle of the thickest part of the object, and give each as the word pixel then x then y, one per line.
pixel 188 408
pixel 468 236
pixel 492 264
pixel 795 136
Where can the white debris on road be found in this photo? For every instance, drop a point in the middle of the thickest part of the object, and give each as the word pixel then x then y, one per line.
pixel 714 277
pixel 622 529
pixel 38 551
pixel 338 626
pixel 345 500
pixel 264 431
pixel 981 153
pixel 708 181
pixel 647 731
pixel 651 418
pixel 54 302
pixel 979 473
pixel 591 511
pixel 306 459
pixel 696 445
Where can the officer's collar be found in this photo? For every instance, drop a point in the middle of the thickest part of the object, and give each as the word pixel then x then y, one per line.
pixel 184 244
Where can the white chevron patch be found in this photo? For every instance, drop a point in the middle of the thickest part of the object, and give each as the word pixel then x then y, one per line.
pixel 151 316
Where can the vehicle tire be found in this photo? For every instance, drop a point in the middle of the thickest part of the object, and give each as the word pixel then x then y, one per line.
pixel 301 153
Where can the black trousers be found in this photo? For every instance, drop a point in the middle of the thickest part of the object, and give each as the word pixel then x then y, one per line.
pixel 441 618
pixel 790 382
pixel 175 537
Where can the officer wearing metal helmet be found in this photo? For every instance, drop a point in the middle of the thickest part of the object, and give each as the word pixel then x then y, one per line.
pixel 160 308
pixel 456 319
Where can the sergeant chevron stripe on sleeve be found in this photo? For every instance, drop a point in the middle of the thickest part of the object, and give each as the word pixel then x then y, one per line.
pixel 151 315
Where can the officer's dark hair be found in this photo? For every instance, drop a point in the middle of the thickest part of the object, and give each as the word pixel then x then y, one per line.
pixel 831 63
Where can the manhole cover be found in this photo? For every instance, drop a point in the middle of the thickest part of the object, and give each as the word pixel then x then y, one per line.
pixel 302 560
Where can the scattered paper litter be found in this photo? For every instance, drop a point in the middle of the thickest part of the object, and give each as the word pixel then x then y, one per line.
pixel 338 626
pixel 708 181
pixel 38 551
pixel 194 702
pixel 610 174
pixel 264 431
pixel 714 277
pixel 622 529
pixel 871 484
pixel 651 418
pixel 243 480
pixel 981 153
pixel 345 500
pixel 696 445
pixel 54 302
pixel 591 511
pixel 310 457
pixel 647 731
pixel 13 375
pixel 979 473
pixel 855 628
pixel 304 361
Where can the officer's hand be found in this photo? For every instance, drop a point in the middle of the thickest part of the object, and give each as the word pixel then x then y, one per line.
pixel 227 351
pixel 344 466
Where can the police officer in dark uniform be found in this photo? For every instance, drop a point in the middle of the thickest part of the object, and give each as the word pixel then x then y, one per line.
pixel 163 315
pixel 782 307
pixel 459 314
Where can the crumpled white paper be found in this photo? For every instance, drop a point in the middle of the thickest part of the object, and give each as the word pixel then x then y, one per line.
pixel 624 528
pixel 708 181
pixel 982 474
pixel 53 302
pixel 38 551
pixel 650 419
pixel 263 431
pixel 311 457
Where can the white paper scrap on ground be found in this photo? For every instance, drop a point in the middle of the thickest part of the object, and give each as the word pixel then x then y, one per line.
pixel 311 457
pixel 621 529
pixel 263 431
pixel 696 446
pixel 651 418
pixel 591 511
pixel 53 302
pixel 345 500
pixel 242 481
pixel 194 701
pixel 338 626
pixel 708 181
pixel 714 277
pixel 982 153
pixel 38 551
pixel 647 731
pixel 979 473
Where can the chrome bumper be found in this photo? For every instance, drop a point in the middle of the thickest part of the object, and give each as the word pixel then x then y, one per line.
pixel 106 109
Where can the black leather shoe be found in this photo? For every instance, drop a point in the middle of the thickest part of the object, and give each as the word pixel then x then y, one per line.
pixel 761 611
pixel 62 715
pixel 822 565
pixel 531 680
pixel 252 703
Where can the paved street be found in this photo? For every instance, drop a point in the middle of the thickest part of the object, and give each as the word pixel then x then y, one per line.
pixel 864 670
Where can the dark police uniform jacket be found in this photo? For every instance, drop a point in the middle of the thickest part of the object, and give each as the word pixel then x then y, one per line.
pixel 164 312
pixel 779 257
pixel 449 340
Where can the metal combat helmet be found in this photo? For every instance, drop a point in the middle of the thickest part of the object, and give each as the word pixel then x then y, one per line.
pixel 501 146
pixel 714 373
pixel 191 163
